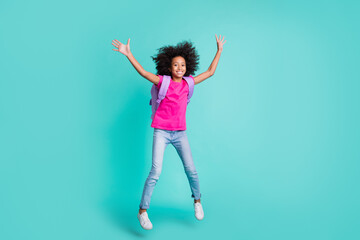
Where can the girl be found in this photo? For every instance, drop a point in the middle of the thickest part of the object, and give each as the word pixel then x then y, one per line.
pixel 169 121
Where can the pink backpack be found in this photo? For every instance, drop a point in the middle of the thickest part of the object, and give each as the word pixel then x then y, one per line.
pixel 157 95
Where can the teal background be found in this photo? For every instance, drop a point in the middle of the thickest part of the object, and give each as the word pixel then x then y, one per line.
pixel 274 133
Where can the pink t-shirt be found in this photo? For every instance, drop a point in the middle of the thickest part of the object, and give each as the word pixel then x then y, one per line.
pixel 171 113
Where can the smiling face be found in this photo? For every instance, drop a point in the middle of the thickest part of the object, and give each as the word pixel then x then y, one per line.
pixel 178 67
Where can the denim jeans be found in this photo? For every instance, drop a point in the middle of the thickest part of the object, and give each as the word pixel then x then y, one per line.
pixel 179 140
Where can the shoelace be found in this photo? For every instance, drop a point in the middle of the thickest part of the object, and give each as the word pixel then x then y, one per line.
pixel 197 207
pixel 144 217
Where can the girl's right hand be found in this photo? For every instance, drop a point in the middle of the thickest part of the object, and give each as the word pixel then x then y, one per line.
pixel 120 47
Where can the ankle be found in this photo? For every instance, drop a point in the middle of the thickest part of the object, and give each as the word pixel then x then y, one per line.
pixel 195 201
pixel 142 210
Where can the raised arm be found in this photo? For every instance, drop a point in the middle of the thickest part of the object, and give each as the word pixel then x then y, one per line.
pixel 125 49
pixel 211 70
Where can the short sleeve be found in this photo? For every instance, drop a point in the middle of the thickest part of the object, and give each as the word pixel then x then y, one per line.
pixel 192 79
pixel 160 81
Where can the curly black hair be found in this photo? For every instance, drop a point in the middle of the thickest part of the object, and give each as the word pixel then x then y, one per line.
pixel 184 49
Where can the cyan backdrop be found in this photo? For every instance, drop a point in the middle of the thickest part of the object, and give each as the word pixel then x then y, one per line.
pixel 274 133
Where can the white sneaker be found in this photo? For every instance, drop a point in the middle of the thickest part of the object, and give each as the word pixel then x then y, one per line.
pixel 199 212
pixel 145 221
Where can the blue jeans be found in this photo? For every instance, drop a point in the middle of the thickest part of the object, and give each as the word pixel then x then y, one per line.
pixel 179 140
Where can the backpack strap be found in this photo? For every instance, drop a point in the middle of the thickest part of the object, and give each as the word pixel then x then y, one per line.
pixel 190 83
pixel 163 88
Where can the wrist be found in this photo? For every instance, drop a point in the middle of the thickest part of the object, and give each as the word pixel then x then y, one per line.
pixel 129 55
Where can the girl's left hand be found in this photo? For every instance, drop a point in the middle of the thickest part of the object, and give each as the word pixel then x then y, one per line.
pixel 220 42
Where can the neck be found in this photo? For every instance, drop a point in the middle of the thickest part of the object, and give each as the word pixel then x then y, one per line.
pixel 177 79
